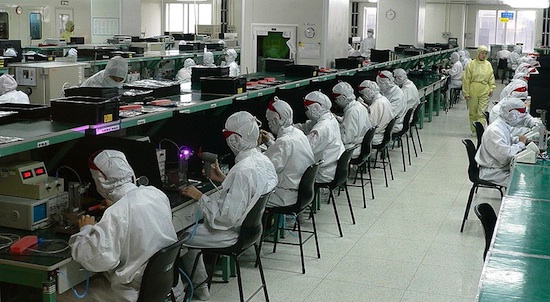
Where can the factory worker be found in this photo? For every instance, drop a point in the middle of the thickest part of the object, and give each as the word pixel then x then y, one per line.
pixel 464 56
pixel 68 32
pixel 503 54
pixel 9 92
pixel 515 55
pixel 368 43
pixel 352 52
pixel 252 176
pixel 380 111
pixel 208 59
pixel 113 75
pixel 290 153
pixel 395 95
pixel 230 57
pixel 456 71
pixel 525 68
pixel 355 122
pixel 184 74
pixel 407 86
pixel 72 53
pixel 323 133
pixel 521 76
pixel 497 147
pixel 136 225
pixel 478 83
pixel 516 89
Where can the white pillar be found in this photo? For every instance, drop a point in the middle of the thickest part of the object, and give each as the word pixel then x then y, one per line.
pixel 400 21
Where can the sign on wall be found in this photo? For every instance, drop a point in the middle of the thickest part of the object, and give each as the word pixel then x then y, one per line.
pixel 105 26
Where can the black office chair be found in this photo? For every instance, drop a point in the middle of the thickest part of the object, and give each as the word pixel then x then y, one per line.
pixel 250 235
pixel 397 137
pixel 363 164
pixel 486 114
pixel 473 174
pixel 384 150
pixel 304 202
pixel 479 132
pixel 414 122
pixel 161 274
pixel 339 181
pixel 486 214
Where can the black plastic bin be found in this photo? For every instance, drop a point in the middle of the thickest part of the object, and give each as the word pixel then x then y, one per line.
pixel 27 111
pixel 84 110
pixel 223 85
pixel 301 71
pixel 277 65
pixel 100 92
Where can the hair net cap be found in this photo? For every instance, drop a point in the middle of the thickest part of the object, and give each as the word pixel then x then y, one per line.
pixel 72 52
pixel 117 66
pixel 481 48
pixel 508 104
pixel 69 25
pixel 10 52
pixel 320 98
pixel 7 83
pixel 281 109
pixel 188 63
pixel 246 126
pixel 385 74
pixel 368 85
pixel 232 53
pixel 345 89
pixel 208 58
pixel 455 57
pixel 113 165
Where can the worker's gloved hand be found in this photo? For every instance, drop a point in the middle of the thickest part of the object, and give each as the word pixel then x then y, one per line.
pixel 192 192
pixel 216 173
pixel 86 220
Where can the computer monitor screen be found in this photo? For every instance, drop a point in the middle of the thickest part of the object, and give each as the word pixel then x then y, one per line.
pixel 77 40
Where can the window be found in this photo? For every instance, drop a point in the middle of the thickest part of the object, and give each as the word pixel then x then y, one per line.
pixel 506 28
pixel 183 17
pixel 369 20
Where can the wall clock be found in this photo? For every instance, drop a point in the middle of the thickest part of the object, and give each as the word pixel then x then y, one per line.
pixel 309 32
pixel 18 10
pixel 390 14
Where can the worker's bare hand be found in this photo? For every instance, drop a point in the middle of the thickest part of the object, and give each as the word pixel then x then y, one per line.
pixel 216 173
pixel 192 192
pixel 105 203
pixel 86 220
pixel 490 93
pixel 467 98
pixel 523 139
pixel 264 136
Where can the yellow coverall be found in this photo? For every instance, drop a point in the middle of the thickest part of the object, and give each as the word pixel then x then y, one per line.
pixel 478 82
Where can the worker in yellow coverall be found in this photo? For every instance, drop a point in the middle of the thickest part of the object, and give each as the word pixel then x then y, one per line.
pixel 478 83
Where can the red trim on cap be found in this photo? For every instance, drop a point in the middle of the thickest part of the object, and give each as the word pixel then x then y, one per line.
pixel 521 89
pixel 226 133
pixel 308 102
pixel 521 110
pixel 380 74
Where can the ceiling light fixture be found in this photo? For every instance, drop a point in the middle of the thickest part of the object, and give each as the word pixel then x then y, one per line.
pixel 527 3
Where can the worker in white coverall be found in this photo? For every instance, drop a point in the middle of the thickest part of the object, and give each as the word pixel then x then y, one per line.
pixel 323 133
pixel 290 153
pixel 380 111
pixel 410 91
pixel 136 224
pixel 478 84
pixel 113 75
pixel 395 95
pixel 184 74
pixel 355 123
pixel 497 145
pixel 252 176
pixel 230 57
pixel 9 92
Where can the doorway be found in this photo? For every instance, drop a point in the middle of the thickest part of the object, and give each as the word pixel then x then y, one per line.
pixel 272 41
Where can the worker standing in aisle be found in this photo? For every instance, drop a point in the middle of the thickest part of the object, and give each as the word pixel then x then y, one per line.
pixel 68 32
pixel 478 83
pixel 113 75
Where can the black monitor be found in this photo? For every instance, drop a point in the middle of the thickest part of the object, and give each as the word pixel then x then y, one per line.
pixel 198 72
pixel 15 44
pixel 538 90
pixel 77 40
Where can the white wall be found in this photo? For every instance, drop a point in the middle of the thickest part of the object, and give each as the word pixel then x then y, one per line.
pixel 151 17
pixel 406 28
pixel 105 9
pixel 337 29
pixel 131 17
pixel 444 18
pixel 19 24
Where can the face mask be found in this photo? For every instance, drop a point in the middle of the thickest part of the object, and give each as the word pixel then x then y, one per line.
pixel 274 126
pixel 341 101
pixel 99 183
pixel 112 83
pixel 399 81
pixel 384 86
pixel 370 35
pixel 514 117
pixel 313 115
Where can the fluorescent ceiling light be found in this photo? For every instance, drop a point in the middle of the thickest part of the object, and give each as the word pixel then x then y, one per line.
pixel 373 1
pixel 527 3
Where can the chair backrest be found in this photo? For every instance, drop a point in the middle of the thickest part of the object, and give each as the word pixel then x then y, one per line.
pixel 486 214
pixel 486 114
pixel 406 126
pixel 160 274
pixel 479 132
pixel 387 132
pixel 306 188
pixel 342 168
pixel 473 168
pixel 415 115
pixel 366 144
pixel 252 228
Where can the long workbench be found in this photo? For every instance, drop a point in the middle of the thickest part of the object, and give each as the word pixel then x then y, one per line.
pixel 518 261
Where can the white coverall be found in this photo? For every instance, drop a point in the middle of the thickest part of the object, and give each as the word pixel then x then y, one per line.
pixel 398 104
pixel 496 152
pixel 184 74
pixel 8 92
pixel 117 66
pixel 326 144
pixel 514 59
pixel 136 226
pixel 455 72
pixel 354 126
pixel 380 114
pixel 516 88
pixel 291 154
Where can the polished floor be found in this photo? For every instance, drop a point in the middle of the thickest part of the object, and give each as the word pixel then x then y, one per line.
pixel 405 246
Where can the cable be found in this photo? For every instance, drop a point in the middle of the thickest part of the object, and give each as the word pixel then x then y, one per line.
pixel 168 140
pixel 11 238
pixel 190 284
pixel 40 240
pixel 79 296
pixel 67 167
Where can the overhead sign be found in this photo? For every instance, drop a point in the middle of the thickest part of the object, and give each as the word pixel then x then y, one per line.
pixel 507 15
pixel 503 20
